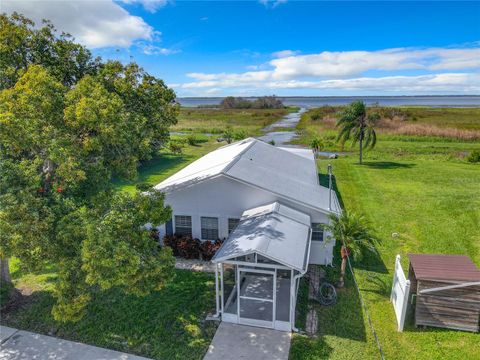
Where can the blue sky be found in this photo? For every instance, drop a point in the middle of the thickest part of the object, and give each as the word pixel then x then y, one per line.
pixel 283 47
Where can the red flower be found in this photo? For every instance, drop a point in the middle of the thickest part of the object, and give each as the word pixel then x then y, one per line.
pixel 59 190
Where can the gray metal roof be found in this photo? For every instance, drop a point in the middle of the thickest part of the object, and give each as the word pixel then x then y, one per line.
pixel 285 173
pixel 274 231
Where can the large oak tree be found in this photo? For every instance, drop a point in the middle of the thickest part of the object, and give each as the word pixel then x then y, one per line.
pixel 65 130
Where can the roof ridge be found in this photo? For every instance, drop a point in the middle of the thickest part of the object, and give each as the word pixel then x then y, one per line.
pixel 239 155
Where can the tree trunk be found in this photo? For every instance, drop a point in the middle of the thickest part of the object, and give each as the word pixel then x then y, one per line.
pixel 5 277
pixel 341 282
pixel 361 146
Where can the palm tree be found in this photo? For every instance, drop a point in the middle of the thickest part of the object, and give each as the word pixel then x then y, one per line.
pixel 316 144
pixel 357 125
pixel 355 236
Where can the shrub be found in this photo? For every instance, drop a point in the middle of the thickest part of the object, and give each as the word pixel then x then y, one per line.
pixel 192 140
pixel 191 248
pixel 143 186
pixel 315 116
pixel 175 147
pixel 474 156
pixel 188 248
pixel 228 134
pixel 209 248
pixel 239 135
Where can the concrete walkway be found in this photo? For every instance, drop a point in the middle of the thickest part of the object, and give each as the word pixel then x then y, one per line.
pixel 23 345
pixel 233 341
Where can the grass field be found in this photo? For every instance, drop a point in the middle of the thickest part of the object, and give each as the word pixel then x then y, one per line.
pixel 423 189
pixel 168 324
pixel 215 121
pixel 412 124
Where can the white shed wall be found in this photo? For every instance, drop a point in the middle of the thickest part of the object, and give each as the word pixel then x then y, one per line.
pixel 225 198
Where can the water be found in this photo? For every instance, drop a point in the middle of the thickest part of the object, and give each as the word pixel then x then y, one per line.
pixel 289 121
pixel 316 101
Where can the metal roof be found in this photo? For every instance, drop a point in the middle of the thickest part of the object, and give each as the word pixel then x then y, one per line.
pixel 444 267
pixel 291 175
pixel 274 231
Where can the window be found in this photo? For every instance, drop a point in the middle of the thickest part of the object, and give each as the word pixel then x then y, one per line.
pixel 232 224
pixel 183 225
pixel 317 232
pixel 209 228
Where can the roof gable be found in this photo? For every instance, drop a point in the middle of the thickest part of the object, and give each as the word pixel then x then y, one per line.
pixel 274 231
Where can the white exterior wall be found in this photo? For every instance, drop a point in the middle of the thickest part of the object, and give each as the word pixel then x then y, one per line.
pixel 224 198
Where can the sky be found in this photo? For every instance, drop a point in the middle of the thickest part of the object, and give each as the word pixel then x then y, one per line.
pixel 281 47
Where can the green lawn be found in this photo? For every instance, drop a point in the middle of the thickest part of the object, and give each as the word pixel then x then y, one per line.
pixel 424 190
pixel 168 324
pixel 167 164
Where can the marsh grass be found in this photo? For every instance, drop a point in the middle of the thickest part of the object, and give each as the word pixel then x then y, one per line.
pixel 447 123
pixel 215 121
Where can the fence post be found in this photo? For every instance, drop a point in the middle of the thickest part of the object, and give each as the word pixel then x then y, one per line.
pixel 397 262
pixel 404 306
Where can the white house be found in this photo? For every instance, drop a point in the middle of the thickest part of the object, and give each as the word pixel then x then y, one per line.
pixel 268 204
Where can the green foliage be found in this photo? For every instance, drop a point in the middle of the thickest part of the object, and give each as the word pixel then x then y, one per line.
pixel 175 147
pixel 62 142
pixel 263 102
pixel 192 140
pixel 144 186
pixel 114 255
pixel 228 134
pixel 23 45
pixel 317 144
pixel 239 134
pixel 354 232
pixel 357 126
pixel 474 156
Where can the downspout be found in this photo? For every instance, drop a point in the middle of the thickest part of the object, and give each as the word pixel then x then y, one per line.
pixel 297 278
pixel 217 300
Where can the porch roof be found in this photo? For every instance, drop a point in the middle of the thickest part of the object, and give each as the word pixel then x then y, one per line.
pixel 275 231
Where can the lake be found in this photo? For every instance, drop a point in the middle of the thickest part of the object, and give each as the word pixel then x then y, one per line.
pixel 316 101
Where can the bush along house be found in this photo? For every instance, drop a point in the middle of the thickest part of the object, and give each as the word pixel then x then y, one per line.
pixel 268 207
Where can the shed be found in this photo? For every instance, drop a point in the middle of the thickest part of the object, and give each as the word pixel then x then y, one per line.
pixel 447 289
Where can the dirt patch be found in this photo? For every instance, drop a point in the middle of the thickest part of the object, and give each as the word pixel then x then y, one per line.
pixel 18 298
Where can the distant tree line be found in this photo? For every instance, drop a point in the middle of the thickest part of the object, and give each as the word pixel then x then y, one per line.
pixel 264 102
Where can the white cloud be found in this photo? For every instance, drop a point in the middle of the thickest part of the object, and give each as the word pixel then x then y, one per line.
pixel 150 49
pixel 149 5
pixel 272 3
pixel 96 24
pixel 353 63
pixel 284 53
pixel 431 70
pixel 457 83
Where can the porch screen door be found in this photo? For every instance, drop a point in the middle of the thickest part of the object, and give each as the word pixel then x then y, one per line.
pixel 256 297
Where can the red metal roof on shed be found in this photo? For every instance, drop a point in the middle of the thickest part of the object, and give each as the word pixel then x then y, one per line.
pixel 444 267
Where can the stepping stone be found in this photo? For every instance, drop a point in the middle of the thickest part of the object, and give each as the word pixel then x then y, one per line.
pixel 312 322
